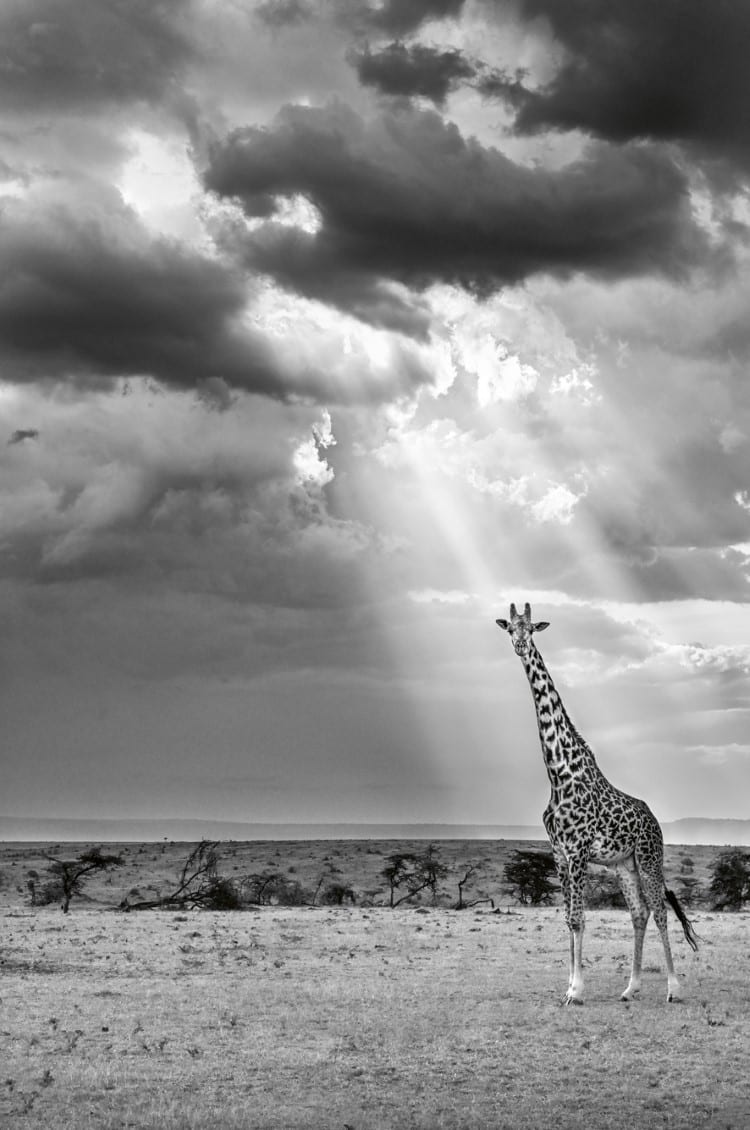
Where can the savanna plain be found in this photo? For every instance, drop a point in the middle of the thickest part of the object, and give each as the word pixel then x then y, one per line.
pixel 357 1017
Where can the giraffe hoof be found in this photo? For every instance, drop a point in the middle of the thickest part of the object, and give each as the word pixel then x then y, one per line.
pixel 568 999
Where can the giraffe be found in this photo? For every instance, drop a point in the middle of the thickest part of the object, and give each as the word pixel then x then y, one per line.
pixel 588 819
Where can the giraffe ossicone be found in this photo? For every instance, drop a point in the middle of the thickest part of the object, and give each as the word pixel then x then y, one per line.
pixel 589 820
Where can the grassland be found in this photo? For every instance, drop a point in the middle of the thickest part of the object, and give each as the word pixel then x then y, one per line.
pixel 150 869
pixel 356 1017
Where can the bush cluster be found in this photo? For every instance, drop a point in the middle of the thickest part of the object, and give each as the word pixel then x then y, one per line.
pixel 409 877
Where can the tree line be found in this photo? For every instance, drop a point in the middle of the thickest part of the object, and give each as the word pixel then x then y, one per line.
pixel 409 877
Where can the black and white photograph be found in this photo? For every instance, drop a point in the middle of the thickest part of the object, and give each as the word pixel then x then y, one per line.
pixel 374 564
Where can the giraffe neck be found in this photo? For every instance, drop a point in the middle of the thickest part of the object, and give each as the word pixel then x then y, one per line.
pixel 565 752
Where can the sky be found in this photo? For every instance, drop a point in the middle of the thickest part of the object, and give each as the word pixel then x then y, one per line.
pixel 328 328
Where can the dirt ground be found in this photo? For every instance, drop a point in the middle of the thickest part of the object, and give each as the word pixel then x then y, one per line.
pixel 371 1019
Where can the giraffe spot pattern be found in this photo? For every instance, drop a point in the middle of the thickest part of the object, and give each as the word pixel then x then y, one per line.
pixel 586 815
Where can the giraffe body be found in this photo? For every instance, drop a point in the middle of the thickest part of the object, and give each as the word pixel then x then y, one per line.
pixel 589 820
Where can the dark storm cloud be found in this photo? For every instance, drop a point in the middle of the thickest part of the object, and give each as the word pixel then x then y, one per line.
pixel 398 17
pixel 71 54
pixel 87 293
pixel 636 69
pixel 399 69
pixel 20 435
pixel 284 13
pixel 313 268
pixel 406 197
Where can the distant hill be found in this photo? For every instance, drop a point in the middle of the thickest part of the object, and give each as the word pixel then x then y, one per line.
pixel 31 830
pixel 694 830
pixel 700 830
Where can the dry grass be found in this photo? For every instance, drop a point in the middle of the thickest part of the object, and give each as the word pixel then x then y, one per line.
pixel 371 1019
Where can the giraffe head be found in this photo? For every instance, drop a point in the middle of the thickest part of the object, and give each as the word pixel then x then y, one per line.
pixel 521 628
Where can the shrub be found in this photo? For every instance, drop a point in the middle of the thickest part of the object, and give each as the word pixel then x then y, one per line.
pixel 730 882
pixel 603 891
pixel 528 876
pixel 222 895
pixel 690 890
pixel 46 894
pixel 274 889
pixel 336 894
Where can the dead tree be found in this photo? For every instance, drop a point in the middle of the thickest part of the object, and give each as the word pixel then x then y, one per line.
pixel 199 885
pixel 470 872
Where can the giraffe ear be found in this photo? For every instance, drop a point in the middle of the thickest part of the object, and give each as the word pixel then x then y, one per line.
pixel 540 626
pixel 502 624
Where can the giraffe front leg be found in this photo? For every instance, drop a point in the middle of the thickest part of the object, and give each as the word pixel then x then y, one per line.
pixel 576 921
pixel 561 865
pixel 574 994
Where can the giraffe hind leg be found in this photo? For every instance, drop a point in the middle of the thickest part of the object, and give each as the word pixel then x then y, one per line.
pixel 630 885
pixel 652 882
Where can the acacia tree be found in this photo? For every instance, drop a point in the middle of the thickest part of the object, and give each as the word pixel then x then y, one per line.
pixel 416 871
pixel 69 874
pixel 528 874
pixel 395 872
pixel 730 882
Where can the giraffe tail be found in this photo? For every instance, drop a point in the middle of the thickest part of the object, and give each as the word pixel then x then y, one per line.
pixel 685 922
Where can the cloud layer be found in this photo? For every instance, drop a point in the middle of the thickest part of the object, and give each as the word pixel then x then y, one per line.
pixel 328 329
